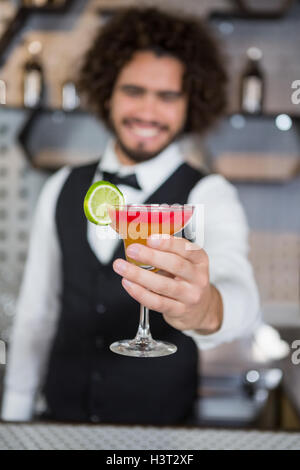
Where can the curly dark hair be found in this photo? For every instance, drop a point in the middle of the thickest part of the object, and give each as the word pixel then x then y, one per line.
pixel 140 29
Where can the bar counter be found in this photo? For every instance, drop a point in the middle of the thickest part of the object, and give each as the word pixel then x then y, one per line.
pixel 109 437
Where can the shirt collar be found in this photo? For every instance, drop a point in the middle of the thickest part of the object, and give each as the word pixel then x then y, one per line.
pixel 151 173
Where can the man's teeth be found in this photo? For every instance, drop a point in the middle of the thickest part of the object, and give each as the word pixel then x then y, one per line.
pixel 145 132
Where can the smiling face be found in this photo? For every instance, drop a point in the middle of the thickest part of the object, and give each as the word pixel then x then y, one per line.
pixel 148 106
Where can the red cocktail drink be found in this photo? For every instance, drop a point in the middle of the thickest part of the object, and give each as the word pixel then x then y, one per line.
pixel 135 223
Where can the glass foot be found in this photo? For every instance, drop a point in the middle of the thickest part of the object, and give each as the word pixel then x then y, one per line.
pixel 131 347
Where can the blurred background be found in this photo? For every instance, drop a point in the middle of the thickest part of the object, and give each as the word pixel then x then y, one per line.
pixel 44 125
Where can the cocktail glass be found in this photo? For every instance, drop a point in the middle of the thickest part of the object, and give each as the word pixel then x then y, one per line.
pixel 135 223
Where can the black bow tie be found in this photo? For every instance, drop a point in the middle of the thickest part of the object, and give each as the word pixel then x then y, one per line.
pixel 115 179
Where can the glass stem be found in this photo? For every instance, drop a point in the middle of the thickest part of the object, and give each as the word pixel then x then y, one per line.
pixel 143 334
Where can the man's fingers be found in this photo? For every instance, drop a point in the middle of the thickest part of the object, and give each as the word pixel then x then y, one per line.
pixel 155 282
pixel 179 246
pixel 165 273
pixel 170 262
pixel 152 300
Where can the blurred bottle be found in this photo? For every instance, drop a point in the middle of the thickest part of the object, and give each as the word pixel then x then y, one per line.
pixel 34 3
pixel 2 24
pixel 252 83
pixel 70 98
pixel 33 82
pixel 2 92
pixel 265 9
pixel 6 14
pixel 41 3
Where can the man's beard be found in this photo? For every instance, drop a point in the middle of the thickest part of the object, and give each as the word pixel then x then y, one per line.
pixel 139 155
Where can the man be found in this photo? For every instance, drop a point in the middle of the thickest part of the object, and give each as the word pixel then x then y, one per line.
pixel 150 77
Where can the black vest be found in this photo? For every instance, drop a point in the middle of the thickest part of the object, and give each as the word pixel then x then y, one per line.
pixel 85 381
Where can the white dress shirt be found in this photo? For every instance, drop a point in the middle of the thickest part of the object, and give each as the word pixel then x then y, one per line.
pixel 225 241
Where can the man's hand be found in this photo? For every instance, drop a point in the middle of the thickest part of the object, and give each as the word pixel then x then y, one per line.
pixel 183 294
